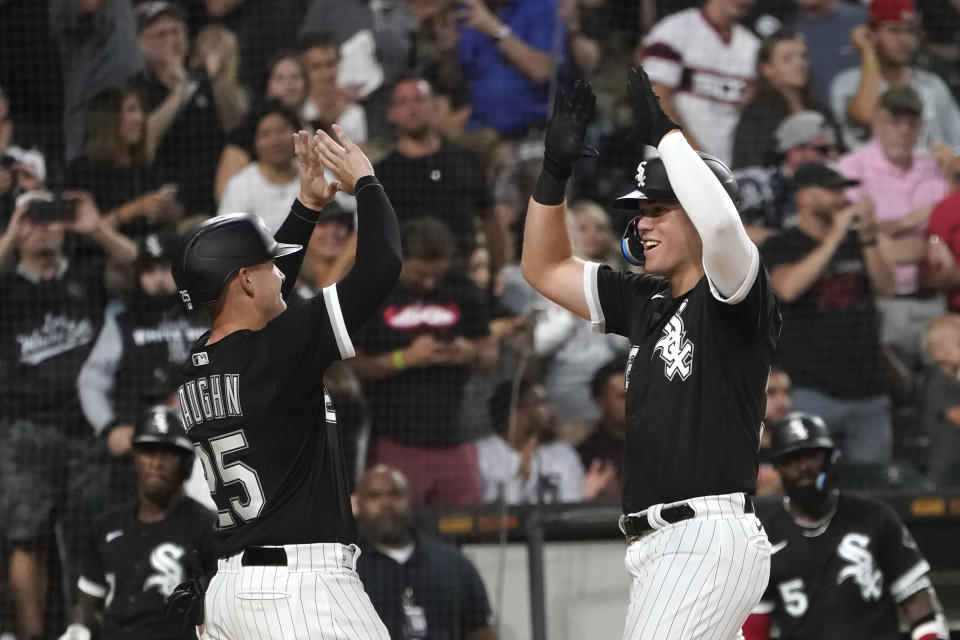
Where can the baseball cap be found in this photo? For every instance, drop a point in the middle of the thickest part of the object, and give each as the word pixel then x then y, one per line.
pixel 892 11
pixel 902 100
pixel 162 425
pixel 156 247
pixel 151 11
pixel 817 174
pixel 799 129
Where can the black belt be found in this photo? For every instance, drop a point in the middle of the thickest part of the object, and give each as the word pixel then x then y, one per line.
pixel 264 557
pixel 636 526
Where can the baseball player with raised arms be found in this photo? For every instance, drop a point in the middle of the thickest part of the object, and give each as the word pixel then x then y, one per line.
pixel 702 322
pixel 254 405
pixel 842 565
pixel 141 551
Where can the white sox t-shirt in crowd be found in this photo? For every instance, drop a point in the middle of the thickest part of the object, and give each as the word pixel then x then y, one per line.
pixel 708 74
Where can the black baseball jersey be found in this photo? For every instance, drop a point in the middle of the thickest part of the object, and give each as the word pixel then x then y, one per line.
pixel 254 405
pixel 265 430
pixel 134 565
pixel 696 379
pixel 47 328
pixel 845 583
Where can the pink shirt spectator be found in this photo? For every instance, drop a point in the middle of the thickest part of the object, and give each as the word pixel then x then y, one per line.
pixel 895 192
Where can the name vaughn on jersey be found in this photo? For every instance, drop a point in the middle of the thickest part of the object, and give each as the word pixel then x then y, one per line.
pixel 210 398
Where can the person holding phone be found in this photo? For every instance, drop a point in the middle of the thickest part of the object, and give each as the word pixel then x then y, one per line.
pixel 51 464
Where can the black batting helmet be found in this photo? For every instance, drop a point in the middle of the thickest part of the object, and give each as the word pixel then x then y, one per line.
pixel 799 431
pixel 654 184
pixel 162 424
pixel 215 249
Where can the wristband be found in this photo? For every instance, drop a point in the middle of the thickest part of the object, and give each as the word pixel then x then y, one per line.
pixel 398 362
pixel 931 627
pixel 503 31
pixel 304 212
pixel 366 181
pixel 869 63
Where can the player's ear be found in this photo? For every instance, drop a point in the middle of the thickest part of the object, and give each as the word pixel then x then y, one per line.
pixel 245 279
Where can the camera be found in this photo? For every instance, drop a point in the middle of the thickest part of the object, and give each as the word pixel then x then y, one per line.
pixel 44 207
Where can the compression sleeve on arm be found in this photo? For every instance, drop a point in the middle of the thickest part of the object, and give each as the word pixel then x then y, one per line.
pixel 378 260
pixel 296 229
pixel 730 259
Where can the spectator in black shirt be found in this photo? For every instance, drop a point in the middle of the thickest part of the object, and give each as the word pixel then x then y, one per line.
pixel 827 273
pixel 50 464
pixel 428 176
pixel 116 165
pixel 184 124
pixel 414 357
pixel 421 587
pixel 602 452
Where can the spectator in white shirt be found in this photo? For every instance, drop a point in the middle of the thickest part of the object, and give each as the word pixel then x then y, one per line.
pixel 268 185
pixel 702 63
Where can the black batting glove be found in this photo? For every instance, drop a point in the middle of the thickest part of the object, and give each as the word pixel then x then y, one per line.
pixel 651 123
pixel 563 144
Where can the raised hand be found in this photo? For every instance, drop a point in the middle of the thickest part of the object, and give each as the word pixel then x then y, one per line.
pixel 563 143
pixel 651 122
pixel 343 157
pixel 316 191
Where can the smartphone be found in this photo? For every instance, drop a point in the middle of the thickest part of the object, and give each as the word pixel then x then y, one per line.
pixel 57 209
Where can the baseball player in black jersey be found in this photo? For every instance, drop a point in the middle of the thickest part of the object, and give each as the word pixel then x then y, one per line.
pixel 841 565
pixel 254 405
pixel 139 553
pixel 703 323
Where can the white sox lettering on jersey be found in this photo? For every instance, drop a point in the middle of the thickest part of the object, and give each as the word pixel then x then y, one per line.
pixel 855 549
pixel 675 350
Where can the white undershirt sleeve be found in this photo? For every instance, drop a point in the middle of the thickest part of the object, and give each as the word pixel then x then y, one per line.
pixel 730 259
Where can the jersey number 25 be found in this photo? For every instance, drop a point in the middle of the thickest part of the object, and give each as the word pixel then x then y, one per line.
pixel 236 472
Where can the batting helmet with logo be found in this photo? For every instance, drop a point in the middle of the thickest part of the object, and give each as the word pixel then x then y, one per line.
pixel 654 184
pixel 161 424
pixel 215 249
pixel 799 431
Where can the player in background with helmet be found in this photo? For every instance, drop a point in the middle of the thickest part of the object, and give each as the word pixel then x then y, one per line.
pixel 140 552
pixel 254 405
pixel 703 323
pixel 841 565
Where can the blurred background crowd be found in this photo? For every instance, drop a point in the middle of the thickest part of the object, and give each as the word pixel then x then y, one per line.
pixel 123 123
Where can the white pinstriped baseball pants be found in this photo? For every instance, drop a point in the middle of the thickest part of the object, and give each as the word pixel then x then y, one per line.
pixel 697 579
pixel 317 595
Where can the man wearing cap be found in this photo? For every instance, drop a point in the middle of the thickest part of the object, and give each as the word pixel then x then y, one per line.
pixel 887 45
pixel 904 184
pixel 766 195
pixel 132 362
pixel 137 554
pixel 183 126
pixel 827 271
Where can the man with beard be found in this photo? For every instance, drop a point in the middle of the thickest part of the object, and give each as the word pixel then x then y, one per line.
pixel 131 362
pixel 428 176
pixel 140 552
pixel 841 564
pixel 421 587
pixel 827 272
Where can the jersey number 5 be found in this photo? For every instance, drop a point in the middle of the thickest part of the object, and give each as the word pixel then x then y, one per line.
pixel 794 599
pixel 231 473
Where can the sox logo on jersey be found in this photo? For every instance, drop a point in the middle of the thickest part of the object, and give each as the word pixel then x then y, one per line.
pixel 165 560
pixel 854 548
pixel 675 350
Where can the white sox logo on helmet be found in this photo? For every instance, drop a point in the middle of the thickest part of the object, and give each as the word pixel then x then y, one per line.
pixel 642 174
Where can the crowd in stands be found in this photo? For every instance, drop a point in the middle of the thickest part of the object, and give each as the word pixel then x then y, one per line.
pixel 124 122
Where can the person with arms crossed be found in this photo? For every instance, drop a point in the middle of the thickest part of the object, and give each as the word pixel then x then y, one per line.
pixel 139 553
pixel 841 564
pixel 704 306
pixel 254 405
